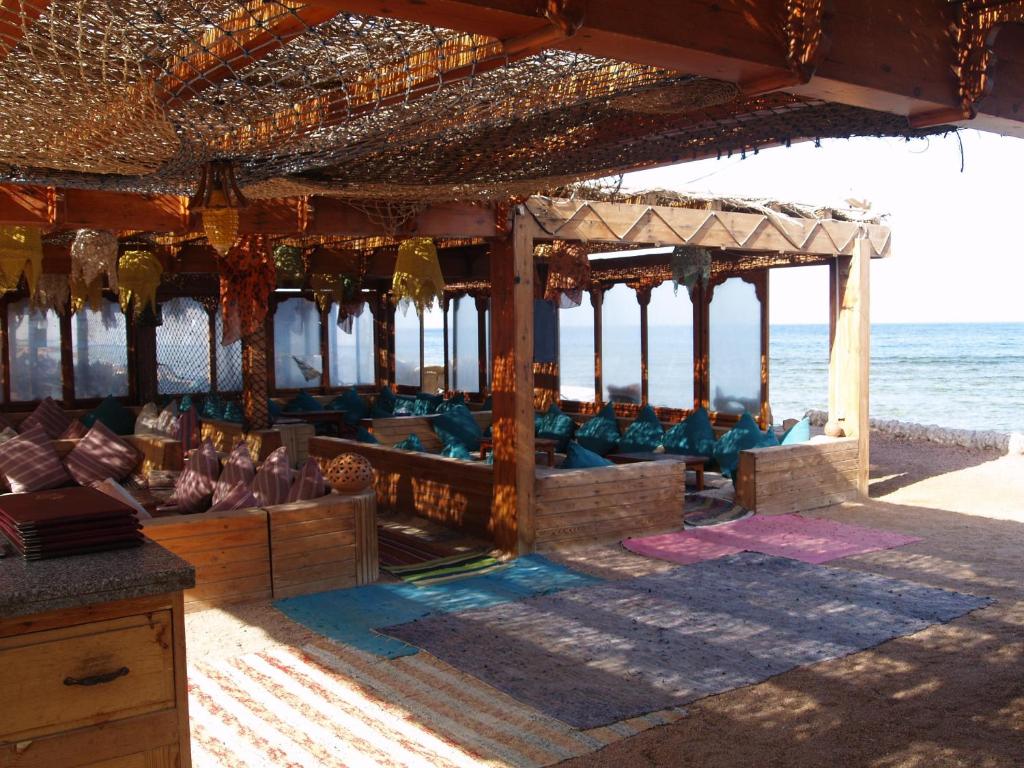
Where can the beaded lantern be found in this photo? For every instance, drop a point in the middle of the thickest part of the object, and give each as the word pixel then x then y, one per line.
pixel 93 255
pixel 140 273
pixel 417 279
pixel 219 199
pixel 21 251
pixel 52 292
pixel 349 473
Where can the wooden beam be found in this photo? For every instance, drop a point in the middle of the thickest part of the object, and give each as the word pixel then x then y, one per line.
pixel 891 59
pixel 16 16
pixel 512 509
pixel 330 216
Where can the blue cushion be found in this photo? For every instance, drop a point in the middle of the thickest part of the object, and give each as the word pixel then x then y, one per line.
pixel 185 403
pixel 411 443
pixel 600 434
pixel 114 416
pixel 488 404
pixel 798 433
pixel 386 399
pixel 303 402
pixel 363 435
pixel 451 402
pixel 274 409
pixel 744 436
pixel 404 405
pixel 644 434
pixel 377 412
pixel 693 436
pixel 213 407
pixel 427 403
pixel 458 426
pixel 555 425
pixel 578 457
pixel 456 451
pixel 351 403
pixel 233 412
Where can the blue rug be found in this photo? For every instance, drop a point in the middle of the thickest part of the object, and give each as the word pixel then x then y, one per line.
pixel 350 616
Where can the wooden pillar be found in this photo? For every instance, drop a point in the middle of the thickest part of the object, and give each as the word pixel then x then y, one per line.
pixel 511 262
pixel 597 299
pixel 450 351
pixel 211 327
pixel 145 363
pixel 255 390
pixel 481 341
pixel 643 297
pixel 850 351
pixel 761 288
pixel 325 348
pixel 700 297
pixel 67 359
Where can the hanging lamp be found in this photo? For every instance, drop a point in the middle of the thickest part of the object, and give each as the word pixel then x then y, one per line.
pixel 417 279
pixel 94 254
pixel 219 199
pixel 140 273
pixel 21 251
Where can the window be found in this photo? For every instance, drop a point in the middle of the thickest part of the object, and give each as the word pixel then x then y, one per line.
pixel 620 345
pixel 297 359
pixel 229 360
pixel 670 347
pixel 183 348
pixel 735 348
pixel 351 354
pixel 34 341
pixel 407 347
pixel 433 337
pixel 464 345
pixel 576 351
pixel 99 346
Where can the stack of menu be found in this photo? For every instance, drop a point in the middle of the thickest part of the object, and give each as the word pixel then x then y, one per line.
pixel 67 521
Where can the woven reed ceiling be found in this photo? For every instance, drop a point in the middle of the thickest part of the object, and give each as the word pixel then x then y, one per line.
pixel 136 95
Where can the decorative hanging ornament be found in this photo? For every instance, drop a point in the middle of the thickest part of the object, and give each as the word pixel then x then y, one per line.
pixel 247 279
pixel 219 199
pixel 290 267
pixel 94 254
pixel 568 274
pixel 417 279
pixel 21 252
pixel 690 264
pixel 52 292
pixel 140 273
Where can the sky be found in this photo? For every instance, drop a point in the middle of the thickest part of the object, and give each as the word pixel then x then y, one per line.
pixel 957 236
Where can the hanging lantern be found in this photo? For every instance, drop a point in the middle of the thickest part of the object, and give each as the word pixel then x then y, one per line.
pixel 52 292
pixel 291 269
pixel 94 254
pixel 219 199
pixel 568 274
pixel 140 273
pixel 86 294
pixel 417 279
pixel 21 252
pixel 690 264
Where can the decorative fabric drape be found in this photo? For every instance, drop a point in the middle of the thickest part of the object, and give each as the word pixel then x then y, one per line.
pixel 21 251
pixel 342 290
pixel 417 279
pixel 247 278
pixel 568 274
pixel 690 264
pixel 139 276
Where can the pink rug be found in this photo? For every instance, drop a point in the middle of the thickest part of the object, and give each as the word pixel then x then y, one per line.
pixel 811 540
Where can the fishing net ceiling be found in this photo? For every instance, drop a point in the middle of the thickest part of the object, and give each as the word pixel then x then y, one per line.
pixel 136 95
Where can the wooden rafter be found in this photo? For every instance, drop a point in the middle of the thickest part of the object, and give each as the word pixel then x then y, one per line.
pixel 16 16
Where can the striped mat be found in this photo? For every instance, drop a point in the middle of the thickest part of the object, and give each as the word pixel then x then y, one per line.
pixel 327 705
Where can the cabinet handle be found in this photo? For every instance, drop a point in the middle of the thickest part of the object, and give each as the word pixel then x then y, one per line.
pixel 106 677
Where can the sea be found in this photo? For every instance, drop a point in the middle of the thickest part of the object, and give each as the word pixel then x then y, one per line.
pixel 964 375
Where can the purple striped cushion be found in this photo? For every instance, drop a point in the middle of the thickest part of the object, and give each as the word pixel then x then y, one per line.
pixel 49 416
pixel 238 497
pixel 75 430
pixel 310 483
pixel 194 489
pixel 188 428
pixel 99 455
pixel 237 469
pixel 29 462
pixel 274 479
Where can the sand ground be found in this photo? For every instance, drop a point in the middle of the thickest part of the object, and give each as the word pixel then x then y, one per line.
pixel 952 695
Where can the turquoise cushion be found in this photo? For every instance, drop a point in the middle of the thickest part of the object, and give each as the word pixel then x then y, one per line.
pixel 404 406
pixel 744 436
pixel 456 451
pixel 213 407
pixel 555 425
pixel 274 409
pixel 644 434
pixel 798 433
pixel 351 403
pixel 376 412
pixel 115 416
pixel 233 412
pixel 363 435
pixel 600 434
pixel 458 426
pixel 578 457
pixel 185 403
pixel 427 403
pixel 386 400
pixel 411 443
pixel 488 404
pixel 451 402
pixel 303 402
pixel 692 436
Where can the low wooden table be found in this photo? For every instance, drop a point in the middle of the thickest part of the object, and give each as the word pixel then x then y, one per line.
pixel 696 463
pixel 543 445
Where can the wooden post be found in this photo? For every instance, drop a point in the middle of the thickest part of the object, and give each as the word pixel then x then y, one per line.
pixel 325 348
pixel 145 363
pixel 211 325
pixel 643 297
pixel 255 369
pixel 481 340
pixel 700 297
pixel 597 299
pixel 512 388
pixel 850 357
pixel 67 360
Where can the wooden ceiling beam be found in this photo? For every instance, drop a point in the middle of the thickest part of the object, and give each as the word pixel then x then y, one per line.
pixel 15 17
pixel 896 59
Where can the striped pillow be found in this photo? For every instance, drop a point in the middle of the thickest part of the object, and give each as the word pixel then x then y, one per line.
pixel 148 420
pixel 237 469
pixel 274 479
pixel 75 430
pixel 238 497
pixel 99 455
pixel 194 489
pixel 29 462
pixel 310 483
pixel 49 416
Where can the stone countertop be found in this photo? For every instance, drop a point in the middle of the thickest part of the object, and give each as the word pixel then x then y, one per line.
pixel 79 580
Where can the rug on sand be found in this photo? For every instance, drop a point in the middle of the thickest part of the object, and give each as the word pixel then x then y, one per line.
pixel 351 615
pixel 603 653
pixel 331 706
pixel 813 540
pixel 701 510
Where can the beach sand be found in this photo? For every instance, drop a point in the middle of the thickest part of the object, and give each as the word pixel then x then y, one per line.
pixel 952 695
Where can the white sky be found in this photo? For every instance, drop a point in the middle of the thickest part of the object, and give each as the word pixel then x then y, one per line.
pixel 956 236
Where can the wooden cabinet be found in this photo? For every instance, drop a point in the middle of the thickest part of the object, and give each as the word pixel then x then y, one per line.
pixel 102 686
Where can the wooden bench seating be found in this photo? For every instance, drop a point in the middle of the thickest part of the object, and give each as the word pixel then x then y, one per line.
pixel 394 429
